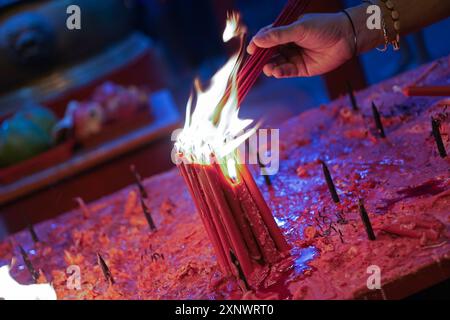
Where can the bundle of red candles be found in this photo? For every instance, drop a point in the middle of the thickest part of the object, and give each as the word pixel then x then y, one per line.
pixel 236 217
pixel 254 64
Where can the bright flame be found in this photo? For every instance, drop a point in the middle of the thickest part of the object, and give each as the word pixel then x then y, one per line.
pixel 233 27
pixel 12 290
pixel 231 167
pixel 214 126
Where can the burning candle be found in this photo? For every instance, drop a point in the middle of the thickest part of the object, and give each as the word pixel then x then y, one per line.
pixel 238 221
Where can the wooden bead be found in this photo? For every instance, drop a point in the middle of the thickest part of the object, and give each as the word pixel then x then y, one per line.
pixel 395 15
pixel 397 25
pixel 389 4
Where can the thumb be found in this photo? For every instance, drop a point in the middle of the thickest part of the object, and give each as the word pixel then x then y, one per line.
pixel 279 35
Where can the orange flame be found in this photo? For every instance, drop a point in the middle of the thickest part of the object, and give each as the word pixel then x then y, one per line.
pixel 214 127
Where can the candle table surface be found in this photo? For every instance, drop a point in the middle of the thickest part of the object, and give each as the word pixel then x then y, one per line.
pixel 403 181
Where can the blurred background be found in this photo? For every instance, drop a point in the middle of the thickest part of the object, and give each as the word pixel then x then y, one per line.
pixel 79 107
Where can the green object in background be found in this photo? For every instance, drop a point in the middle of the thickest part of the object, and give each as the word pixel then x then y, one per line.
pixel 26 134
pixel 40 116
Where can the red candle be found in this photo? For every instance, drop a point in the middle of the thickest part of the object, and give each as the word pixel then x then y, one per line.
pixel 236 217
pixel 205 216
pixel 224 218
pixel 243 222
pixel 266 214
pixel 221 187
pixel 430 91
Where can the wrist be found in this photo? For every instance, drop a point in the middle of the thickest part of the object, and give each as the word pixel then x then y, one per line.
pixel 349 33
pixel 367 38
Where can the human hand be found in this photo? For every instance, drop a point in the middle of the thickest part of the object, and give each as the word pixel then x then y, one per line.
pixel 313 45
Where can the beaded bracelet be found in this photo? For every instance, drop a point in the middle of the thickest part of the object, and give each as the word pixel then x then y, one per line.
pixel 383 28
pixel 396 19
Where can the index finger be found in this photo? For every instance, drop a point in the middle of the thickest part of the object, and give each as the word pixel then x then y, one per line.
pixel 251 46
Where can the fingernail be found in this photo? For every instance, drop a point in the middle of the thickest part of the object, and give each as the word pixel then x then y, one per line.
pixel 278 74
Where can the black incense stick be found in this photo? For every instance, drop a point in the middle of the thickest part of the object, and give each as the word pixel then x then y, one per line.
pixel 438 138
pixel 377 118
pixel 28 264
pixel 239 269
pixel 366 221
pixel 105 269
pixel 330 182
pixel 352 97
pixel 264 171
pixel 148 216
pixel 33 233
pixel 138 179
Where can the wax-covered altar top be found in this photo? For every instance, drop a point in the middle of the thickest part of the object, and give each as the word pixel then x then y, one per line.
pixel 402 180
